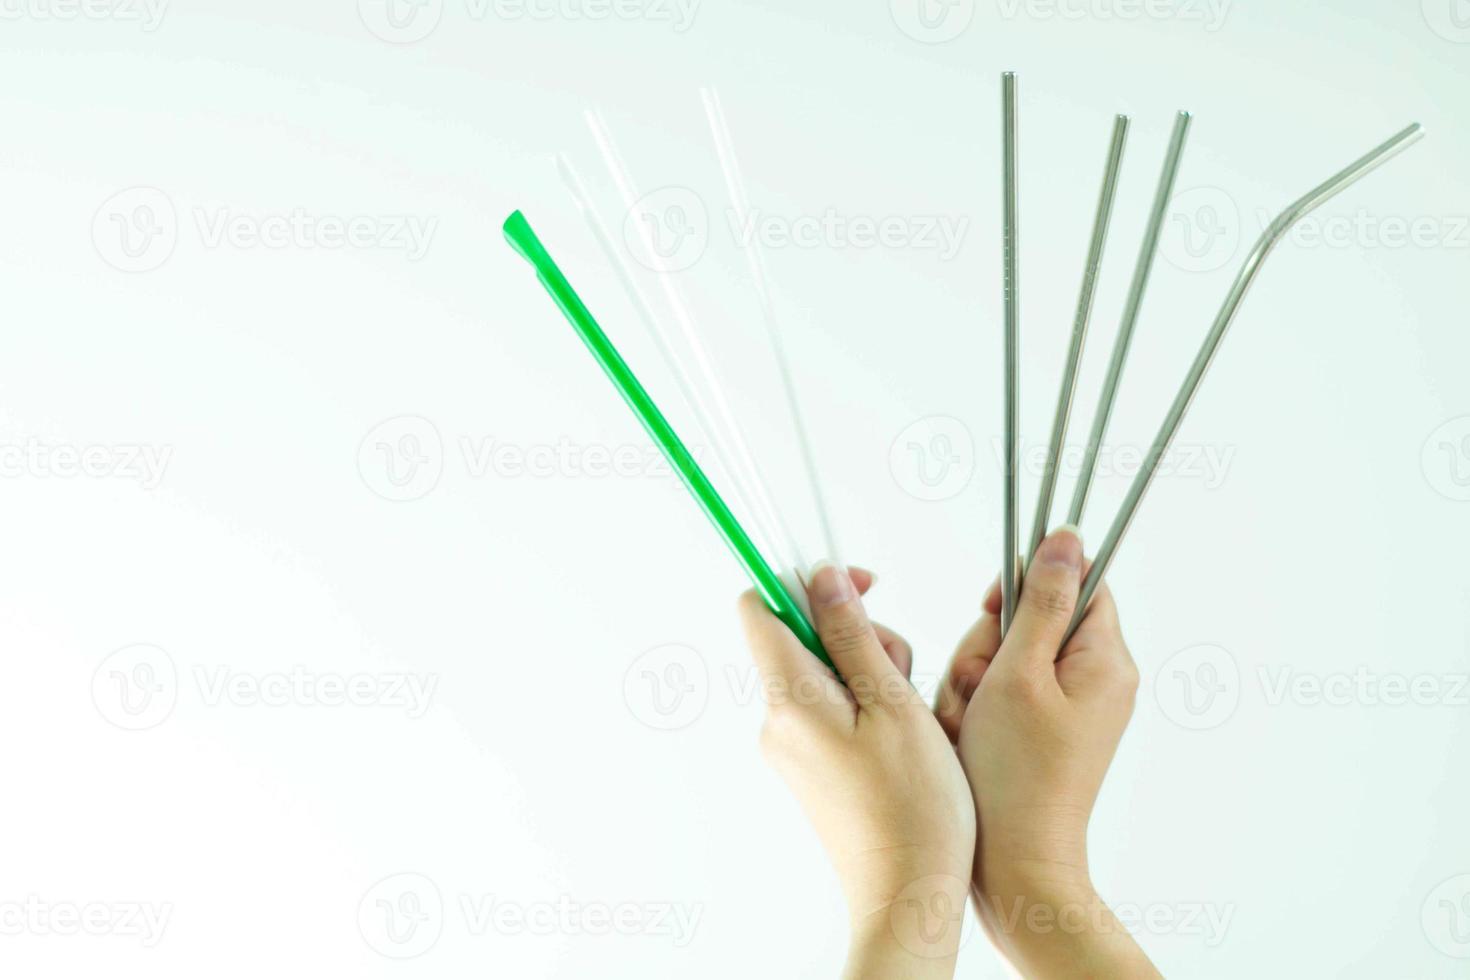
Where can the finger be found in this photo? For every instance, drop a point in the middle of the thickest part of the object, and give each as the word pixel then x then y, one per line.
pixel 1100 627
pixel 788 670
pixel 992 598
pixel 966 668
pixel 897 648
pixel 1048 596
pixel 862 578
pixel 847 636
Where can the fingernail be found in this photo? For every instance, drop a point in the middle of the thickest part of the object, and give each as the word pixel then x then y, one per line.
pixel 1061 547
pixel 830 585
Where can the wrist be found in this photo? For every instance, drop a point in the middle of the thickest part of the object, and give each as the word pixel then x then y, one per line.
pixel 914 932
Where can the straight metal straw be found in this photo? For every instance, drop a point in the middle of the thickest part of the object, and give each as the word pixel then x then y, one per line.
pixel 755 260
pixel 1243 280
pixel 1010 573
pixel 1134 302
pixel 1079 333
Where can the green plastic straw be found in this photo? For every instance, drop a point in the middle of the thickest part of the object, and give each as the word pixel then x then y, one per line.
pixel 523 239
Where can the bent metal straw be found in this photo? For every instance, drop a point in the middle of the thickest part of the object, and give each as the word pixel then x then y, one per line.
pixel 522 238
pixel 1273 234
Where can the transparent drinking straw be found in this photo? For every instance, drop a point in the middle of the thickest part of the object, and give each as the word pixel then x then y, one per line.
pixel 755 260
pixel 788 552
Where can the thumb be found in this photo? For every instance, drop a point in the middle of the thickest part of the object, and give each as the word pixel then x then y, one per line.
pixel 1048 596
pixel 846 634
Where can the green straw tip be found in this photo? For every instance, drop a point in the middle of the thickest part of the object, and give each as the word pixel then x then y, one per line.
pixel 522 238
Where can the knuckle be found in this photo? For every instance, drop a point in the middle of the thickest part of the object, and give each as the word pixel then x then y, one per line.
pixel 1021 685
pixel 1049 601
pixel 847 634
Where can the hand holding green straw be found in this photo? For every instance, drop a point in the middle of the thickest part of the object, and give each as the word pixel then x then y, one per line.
pixel 523 239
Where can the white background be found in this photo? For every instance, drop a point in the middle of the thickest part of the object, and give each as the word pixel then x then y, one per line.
pixel 546 772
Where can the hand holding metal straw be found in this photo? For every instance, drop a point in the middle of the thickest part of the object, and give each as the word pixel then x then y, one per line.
pixel 1243 280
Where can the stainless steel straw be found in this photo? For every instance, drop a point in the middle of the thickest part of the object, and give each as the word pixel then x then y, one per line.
pixel 1079 333
pixel 1253 262
pixel 1010 572
pixel 1141 272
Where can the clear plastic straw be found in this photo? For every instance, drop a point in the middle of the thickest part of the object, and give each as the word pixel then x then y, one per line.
pixel 725 426
pixel 755 259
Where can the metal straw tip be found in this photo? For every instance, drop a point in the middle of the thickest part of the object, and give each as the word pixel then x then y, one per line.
pixel 1185 114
